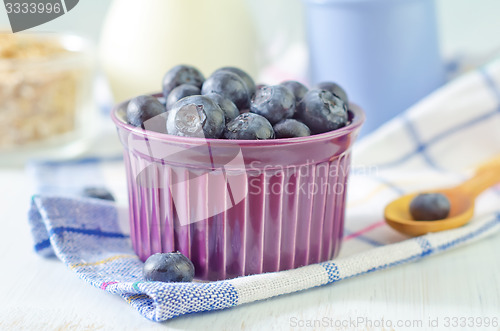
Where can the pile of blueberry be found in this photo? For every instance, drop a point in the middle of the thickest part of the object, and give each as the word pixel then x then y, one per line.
pixel 229 105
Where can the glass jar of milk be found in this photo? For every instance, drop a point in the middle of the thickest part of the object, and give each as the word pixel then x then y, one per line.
pixel 141 40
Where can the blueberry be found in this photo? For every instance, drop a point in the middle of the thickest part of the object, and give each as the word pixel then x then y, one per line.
pixel 142 108
pixel 162 100
pixel 249 126
pixel 335 89
pixel 275 103
pixel 322 111
pixel 181 74
pixel 196 116
pixel 228 85
pixel 228 107
pixel 430 207
pixel 98 193
pixel 258 87
pixel 249 83
pixel 298 89
pixel 180 92
pixel 168 267
pixel 291 128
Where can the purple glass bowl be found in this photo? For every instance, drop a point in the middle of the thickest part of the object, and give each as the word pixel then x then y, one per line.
pixel 237 207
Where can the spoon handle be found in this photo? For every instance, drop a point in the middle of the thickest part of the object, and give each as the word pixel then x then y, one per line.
pixel 487 175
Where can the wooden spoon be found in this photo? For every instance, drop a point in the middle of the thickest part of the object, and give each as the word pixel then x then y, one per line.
pixel 461 197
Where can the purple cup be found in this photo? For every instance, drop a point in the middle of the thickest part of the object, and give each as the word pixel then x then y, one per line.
pixel 237 207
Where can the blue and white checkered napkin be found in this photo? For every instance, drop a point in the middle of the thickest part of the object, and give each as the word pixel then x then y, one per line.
pixel 432 144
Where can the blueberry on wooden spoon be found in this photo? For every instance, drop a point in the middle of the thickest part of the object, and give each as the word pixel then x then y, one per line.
pixel 430 207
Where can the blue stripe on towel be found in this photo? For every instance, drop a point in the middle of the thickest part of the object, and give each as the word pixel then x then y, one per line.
pixel 91 232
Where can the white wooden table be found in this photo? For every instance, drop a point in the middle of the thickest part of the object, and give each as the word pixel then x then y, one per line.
pixel 41 294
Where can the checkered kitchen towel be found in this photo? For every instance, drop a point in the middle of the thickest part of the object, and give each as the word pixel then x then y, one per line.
pixel 434 143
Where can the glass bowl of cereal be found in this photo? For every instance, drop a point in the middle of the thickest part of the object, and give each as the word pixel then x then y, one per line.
pixel 45 95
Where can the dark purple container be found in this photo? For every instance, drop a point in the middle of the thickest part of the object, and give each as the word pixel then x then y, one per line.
pixel 237 207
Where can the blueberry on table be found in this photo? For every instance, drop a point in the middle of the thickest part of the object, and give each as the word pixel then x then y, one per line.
pixel 322 111
pixel 291 128
pixel 335 89
pixel 181 74
pixel 228 107
pixel 430 207
pixel 249 83
pixel 298 89
pixel 249 126
pixel 168 267
pixel 228 85
pixel 98 193
pixel 274 102
pixel 180 92
pixel 196 116
pixel 142 108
